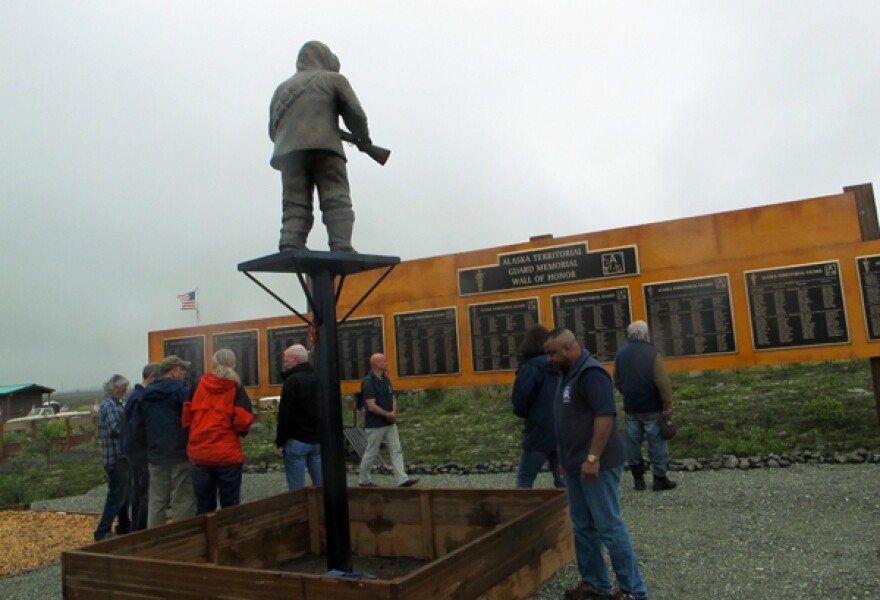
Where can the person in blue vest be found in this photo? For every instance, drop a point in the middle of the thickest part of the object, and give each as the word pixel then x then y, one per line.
pixel 532 399
pixel 640 376
pixel 592 456
pixel 380 423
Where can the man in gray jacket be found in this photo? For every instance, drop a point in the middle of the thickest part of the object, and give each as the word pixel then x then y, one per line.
pixel 304 125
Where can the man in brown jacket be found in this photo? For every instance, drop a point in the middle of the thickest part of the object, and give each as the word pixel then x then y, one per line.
pixel 304 125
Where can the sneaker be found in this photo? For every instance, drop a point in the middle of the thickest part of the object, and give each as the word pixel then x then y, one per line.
pixel 584 591
pixel 368 484
pixel 409 483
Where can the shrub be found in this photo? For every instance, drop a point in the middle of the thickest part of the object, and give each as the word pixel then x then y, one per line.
pixel 824 409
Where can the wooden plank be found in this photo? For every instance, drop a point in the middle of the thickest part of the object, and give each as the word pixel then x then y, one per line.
pixel 316 521
pixel 183 541
pixel 474 569
pixel 211 538
pixel 96 577
pixel 427 518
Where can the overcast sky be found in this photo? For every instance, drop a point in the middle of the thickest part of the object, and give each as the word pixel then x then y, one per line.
pixel 134 153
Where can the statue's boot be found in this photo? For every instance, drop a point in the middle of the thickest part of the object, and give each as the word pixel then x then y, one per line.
pixel 339 223
pixel 295 227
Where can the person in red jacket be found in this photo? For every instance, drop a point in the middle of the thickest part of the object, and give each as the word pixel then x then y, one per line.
pixel 217 416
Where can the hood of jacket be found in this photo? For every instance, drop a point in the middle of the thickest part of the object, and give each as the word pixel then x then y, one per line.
pixel 316 56
pixel 161 388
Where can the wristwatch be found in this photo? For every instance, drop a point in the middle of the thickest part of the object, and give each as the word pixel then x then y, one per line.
pixel 592 458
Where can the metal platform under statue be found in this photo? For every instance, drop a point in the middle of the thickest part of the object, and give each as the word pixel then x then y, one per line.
pixel 323 270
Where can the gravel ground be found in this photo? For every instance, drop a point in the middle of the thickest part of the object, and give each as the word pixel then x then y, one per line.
pixel 808 531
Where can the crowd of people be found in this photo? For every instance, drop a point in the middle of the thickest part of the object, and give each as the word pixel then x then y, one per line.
pixel 173 449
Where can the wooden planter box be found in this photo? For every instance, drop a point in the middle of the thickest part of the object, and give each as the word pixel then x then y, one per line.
pixel 475 543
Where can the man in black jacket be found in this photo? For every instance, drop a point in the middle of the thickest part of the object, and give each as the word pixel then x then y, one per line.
pixel 298 436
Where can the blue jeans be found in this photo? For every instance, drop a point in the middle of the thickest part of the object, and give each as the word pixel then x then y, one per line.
pixel 116 503
pixel 594 505
pixel 531 461
pixel 639 426
pixel 297 457
pixel 209 483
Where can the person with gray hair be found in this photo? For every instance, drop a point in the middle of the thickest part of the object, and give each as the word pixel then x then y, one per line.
pixel 640 376
pixel 112 433
pixel 136 451
pixel 298 435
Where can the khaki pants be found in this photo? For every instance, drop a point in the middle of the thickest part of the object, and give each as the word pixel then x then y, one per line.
pixel 170 487
pixel 375 437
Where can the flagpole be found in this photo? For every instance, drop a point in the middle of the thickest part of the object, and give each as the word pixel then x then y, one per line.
pixel 198 321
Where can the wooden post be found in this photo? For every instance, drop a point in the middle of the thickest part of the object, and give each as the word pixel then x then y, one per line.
pixel 870 228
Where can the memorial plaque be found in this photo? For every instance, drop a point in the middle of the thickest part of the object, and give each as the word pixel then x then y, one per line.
pixel 597 318
pixel 796 306
pixel 548 266
pixel 497 329
pixel 357 341
pixel 869 283
pixel 427 342
pixel 279 339
pixel 244 344
pixel 191 349
pixel 691 317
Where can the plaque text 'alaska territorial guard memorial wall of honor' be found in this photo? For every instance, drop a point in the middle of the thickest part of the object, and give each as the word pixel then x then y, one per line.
pixel 427 342
pixel 548 266
pixel 245 346
pixel 597 318
pixel 796 306
pixel 691 317
pixel 497 329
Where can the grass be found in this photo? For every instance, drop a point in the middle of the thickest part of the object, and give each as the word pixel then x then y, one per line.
pixel 823 407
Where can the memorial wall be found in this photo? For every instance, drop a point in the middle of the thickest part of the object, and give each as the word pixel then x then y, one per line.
pixel 787 282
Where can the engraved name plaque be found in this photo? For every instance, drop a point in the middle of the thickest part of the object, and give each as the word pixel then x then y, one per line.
pixel 597 318
pixel 691 317
pixel 796 306
pixel 427 342
pixel 358 340
pixel 869 282
pixel 191 349
pixel 279 339
pixel 246 349
pixel 497 329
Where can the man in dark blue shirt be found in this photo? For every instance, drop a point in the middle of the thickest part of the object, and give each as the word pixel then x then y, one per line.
pixel 380 423
pixel 592 454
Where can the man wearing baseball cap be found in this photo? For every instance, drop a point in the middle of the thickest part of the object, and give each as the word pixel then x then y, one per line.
pixel 159 424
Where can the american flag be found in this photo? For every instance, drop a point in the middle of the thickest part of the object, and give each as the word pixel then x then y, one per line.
pixel 187 300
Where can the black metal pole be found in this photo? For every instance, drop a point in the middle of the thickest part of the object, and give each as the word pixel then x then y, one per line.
pixel 336 520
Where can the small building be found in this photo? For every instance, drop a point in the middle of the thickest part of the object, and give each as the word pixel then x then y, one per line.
pixel 17 400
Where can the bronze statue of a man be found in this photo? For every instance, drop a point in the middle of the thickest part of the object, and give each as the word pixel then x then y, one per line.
pixel 304 125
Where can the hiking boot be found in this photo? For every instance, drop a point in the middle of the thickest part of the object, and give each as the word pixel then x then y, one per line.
pixel 663 483
pixel 368 484
pixel 584 591
pixel 638 473
pixel 409 483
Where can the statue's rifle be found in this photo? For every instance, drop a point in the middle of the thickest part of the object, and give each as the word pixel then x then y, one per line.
pixel 377 153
